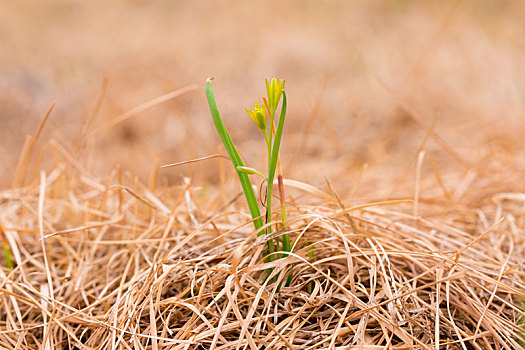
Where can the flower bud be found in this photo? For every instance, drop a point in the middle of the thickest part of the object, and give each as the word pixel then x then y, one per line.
pixel 249 171
pixel 274 90
pixel 259 116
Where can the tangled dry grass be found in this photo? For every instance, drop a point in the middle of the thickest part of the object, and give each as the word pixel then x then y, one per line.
pixel 414 111
pixel 117 264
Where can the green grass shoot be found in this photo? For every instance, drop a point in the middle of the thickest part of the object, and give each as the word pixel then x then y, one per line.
pixel 5 247
pixel 263 115
pixel 235 157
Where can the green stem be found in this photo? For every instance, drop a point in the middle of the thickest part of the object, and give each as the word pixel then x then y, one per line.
pixel 271 243
pixel 270 176
pixel 272 165
pixel 7 255
pixel 286 237
pixel 311 256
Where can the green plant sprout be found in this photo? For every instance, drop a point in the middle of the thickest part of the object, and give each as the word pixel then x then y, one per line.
pixel 5 246
pixel 264 117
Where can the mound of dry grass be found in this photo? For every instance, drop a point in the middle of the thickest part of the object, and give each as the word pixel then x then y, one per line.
pixel 413 109
pixel 120 265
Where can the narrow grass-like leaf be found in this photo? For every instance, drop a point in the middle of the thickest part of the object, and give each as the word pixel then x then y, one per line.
pixel 275 147
pixel 7 256
pixel 271 173
pixel 286 237
pixel 274 156
pixel 235 157
pixel 7 253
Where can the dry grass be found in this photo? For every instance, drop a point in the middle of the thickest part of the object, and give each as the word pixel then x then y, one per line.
pixel 412 110
pixel 122 265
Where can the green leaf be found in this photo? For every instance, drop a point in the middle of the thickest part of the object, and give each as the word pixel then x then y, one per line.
pixel 7 255
pixel 235 157
pixel 275 153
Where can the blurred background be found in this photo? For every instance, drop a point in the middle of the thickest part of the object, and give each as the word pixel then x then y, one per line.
pixel 369 83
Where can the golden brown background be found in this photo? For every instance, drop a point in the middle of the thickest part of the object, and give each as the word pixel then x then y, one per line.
pixel 366 81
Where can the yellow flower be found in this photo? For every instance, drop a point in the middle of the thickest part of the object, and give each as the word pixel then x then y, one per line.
pixel 259 116
pixel 274 89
